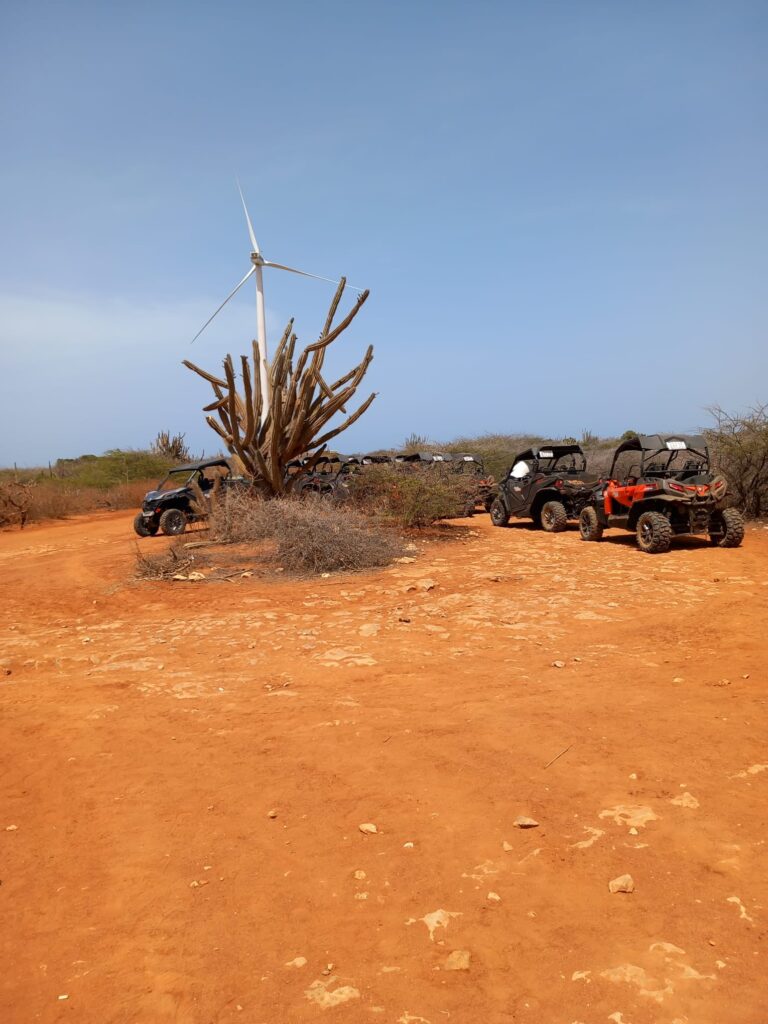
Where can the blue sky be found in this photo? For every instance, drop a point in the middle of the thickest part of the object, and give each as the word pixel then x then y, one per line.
pixel 560 210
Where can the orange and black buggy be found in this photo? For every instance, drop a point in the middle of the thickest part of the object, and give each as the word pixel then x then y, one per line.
pixel 661 487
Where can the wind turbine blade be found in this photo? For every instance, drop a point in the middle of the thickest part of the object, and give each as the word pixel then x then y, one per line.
pixel 251 232
pixel 330 280
pixel 234 290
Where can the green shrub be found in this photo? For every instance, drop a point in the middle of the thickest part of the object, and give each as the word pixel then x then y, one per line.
pixel 411 495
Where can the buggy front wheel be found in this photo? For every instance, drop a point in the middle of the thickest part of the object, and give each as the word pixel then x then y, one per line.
pixel 590 527
pixel 173 522
pixel 654 533
pixel 499 514
pixel 145 527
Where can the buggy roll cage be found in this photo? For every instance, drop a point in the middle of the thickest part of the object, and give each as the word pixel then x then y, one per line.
pixel 651 446
pixel 551 453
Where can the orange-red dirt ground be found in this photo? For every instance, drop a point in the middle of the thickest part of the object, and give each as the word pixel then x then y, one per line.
pixel 186 767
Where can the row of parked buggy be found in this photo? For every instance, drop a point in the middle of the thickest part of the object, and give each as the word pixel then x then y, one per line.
pixel 658 486
pixel 182 496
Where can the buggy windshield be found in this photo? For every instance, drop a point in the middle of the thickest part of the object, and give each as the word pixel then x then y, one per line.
pixel 183 477
pixel 572 462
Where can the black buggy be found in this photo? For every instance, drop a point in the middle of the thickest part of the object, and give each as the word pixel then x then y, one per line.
pixel 546 483
pixel 183 497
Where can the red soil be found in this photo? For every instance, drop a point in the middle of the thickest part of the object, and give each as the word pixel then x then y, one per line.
pixel 150 729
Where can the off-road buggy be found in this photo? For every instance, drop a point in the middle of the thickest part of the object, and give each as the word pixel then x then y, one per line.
pixel 482 486
pixel 548 484
pixel 328 476
pixel 468 466
pixel 183 497
pixel 660 487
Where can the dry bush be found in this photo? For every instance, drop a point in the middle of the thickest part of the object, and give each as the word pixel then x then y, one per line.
pixel 240 517
pixel 739 449
pixel 55 500
pixel 411 496
pixel 309 535
pixel 15 503
pixel 164 565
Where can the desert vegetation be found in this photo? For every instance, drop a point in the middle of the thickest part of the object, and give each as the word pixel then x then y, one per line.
pixel 115 480
pixel 266 431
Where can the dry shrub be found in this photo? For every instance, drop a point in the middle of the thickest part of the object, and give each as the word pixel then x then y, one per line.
pixel 738 445
pixel 412 496
pixel 164 565
pixel 239 517
pixel 15 502
pixel 55 500
pixel 310 535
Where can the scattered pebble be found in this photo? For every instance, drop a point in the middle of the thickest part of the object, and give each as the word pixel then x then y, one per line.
pixel 458 960
pixel 327 970
pixel 558 664
pixel 299 961
pixel 360 874
pixel 11 828
pixel 494 897
pixel 407 846
pixel 272 813
pixel 65 996
pixel 368 828
pixel 523 822
pixel 507 847
pixel 678 679
pixel 198 884
pixel 623 883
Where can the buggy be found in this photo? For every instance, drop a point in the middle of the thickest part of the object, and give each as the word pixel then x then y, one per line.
pixel 482 484
pixel 661 486
pixel 328 476
pixel 183 497
pixel 547 483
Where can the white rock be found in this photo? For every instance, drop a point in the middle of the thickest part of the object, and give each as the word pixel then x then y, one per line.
pixel 558 664
pixel 623 883
pixel 685 800
pixel 458 960
pixel 368 828
pixel 494 897
pixel 523 822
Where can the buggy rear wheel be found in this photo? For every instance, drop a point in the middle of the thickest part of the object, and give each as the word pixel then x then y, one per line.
pixel 590 527
pixel 553 517
pixel 727 528
pixel 145 527
pixel 173 522
pixel 499 514
pixel 654 533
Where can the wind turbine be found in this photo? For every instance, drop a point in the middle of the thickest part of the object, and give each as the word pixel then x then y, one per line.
pixel 258 263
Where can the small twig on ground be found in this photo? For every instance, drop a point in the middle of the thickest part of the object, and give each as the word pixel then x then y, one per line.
pixel 558 755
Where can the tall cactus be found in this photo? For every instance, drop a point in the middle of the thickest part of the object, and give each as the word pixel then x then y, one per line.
pixel 301 403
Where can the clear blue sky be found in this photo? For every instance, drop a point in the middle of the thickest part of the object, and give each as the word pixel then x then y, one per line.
pixel 560 209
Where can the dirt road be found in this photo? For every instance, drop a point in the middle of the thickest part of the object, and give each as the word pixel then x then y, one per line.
pixel 185 768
